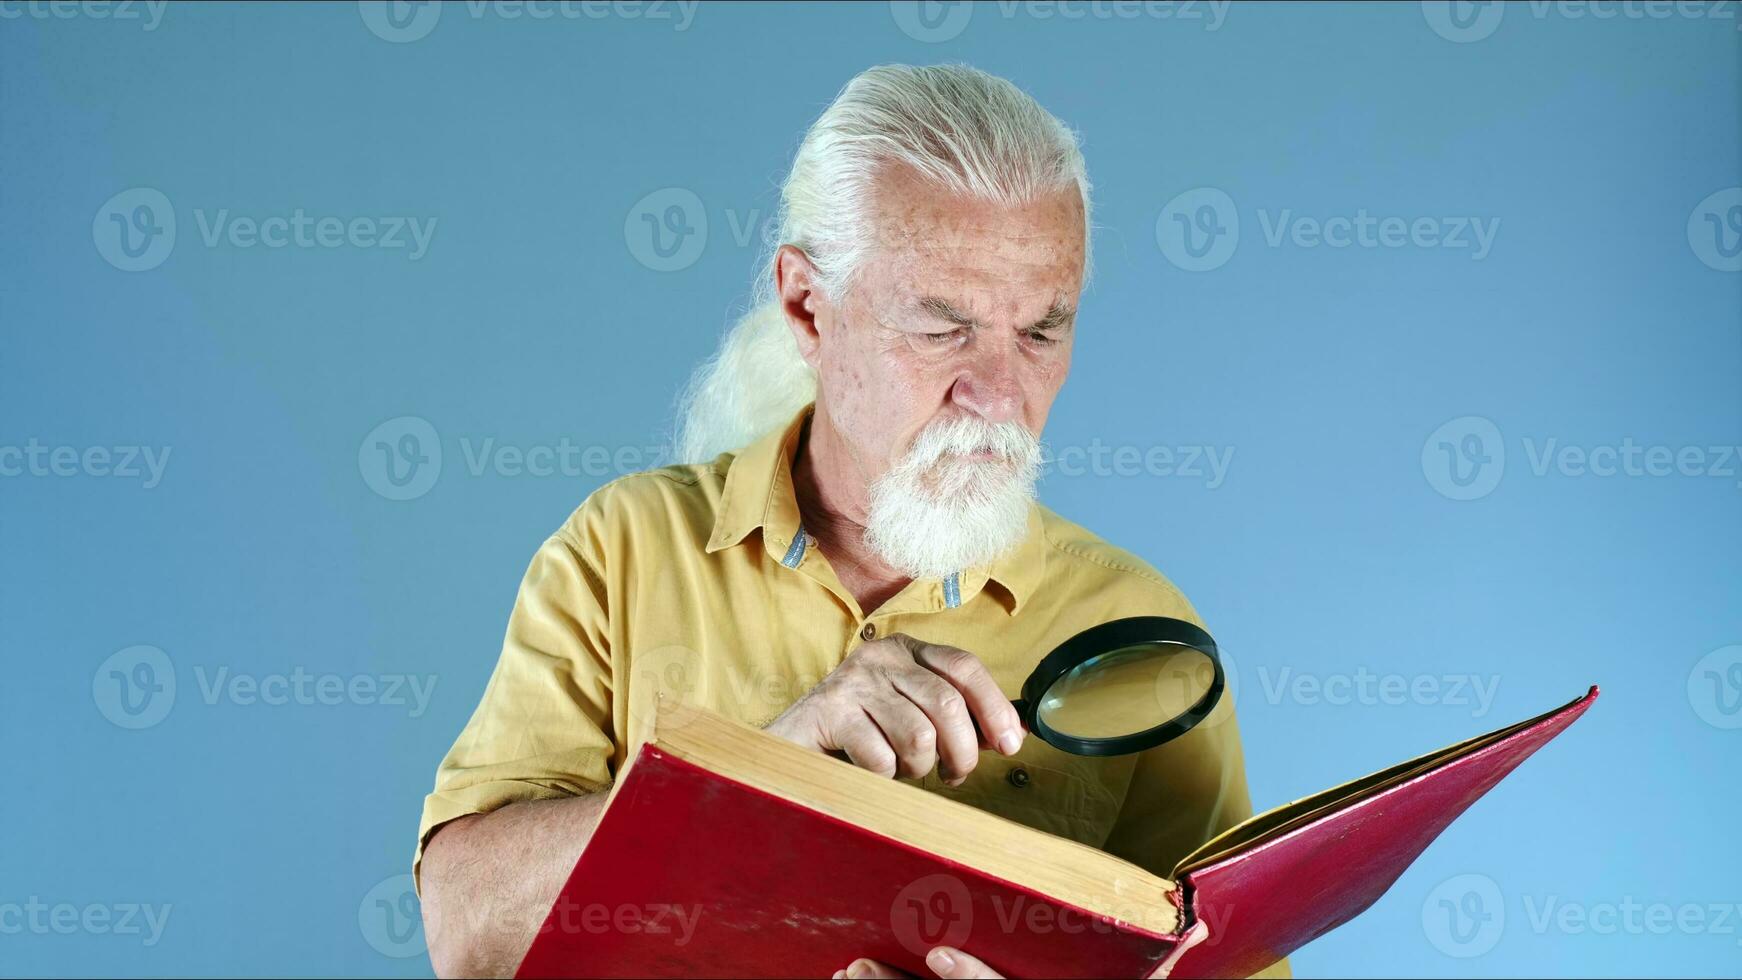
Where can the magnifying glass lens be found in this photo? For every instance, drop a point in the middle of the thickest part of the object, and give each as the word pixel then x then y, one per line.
pixel 1127 691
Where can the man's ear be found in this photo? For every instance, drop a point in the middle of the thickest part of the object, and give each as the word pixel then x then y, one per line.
pixel 795 277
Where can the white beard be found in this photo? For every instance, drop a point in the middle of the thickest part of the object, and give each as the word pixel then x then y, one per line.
pixel 940 511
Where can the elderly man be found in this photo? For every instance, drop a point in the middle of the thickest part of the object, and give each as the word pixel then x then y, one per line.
pixel 855 560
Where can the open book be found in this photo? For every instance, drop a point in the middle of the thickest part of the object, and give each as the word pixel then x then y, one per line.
pixel 725 851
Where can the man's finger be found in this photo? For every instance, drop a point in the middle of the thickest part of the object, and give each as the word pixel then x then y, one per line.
pixel 996 715
pixel 863 969
pixel 958 744
pixel 954 964
pixel 857 735
pixel 908 731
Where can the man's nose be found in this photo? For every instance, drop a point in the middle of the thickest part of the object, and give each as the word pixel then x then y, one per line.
pixel 989 386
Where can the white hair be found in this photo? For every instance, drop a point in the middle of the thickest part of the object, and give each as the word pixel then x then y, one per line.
pixel 974 133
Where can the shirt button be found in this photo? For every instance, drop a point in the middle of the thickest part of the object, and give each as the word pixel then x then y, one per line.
pixel 1018 777
pixel 869 632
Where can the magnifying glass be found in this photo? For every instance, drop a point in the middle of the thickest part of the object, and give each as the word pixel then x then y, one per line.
pixel 1123 686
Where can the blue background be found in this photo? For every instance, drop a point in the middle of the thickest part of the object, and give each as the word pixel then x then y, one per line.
pixel 1331 550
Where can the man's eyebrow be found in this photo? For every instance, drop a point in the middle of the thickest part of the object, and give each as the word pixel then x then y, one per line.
pixel 943 310
pixel 1059 316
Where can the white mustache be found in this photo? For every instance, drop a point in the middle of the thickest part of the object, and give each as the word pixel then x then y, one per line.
pixel 965 435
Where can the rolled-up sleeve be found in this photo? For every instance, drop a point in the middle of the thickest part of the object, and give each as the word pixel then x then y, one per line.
pixel 542 729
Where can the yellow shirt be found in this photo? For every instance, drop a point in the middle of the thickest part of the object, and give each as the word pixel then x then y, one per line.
pixel 700 580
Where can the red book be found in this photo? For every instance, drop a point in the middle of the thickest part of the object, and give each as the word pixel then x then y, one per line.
pixel 725 851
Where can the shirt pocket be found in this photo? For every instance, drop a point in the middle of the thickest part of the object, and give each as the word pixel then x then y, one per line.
pixel 1060 797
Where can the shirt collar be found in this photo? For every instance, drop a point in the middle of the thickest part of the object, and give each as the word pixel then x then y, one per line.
pixel 758 493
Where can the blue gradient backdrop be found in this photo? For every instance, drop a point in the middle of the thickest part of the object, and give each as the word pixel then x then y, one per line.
pixel 1401 552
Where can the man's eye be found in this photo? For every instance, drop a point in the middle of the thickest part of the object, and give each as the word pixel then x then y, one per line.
pixel 1041 339
pixel 941 339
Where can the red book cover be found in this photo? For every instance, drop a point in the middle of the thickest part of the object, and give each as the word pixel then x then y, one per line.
pixel 1263 902
pixel 692 874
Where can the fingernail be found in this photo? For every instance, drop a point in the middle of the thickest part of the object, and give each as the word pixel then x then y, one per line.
pixel 839 975
pixel 855 970
pixel 940 958
pixel 1010 741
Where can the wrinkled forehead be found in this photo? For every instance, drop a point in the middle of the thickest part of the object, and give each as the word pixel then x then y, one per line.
pixel 924 231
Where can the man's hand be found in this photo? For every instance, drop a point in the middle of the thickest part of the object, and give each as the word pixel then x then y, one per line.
pixel 952 964
pixel 898 706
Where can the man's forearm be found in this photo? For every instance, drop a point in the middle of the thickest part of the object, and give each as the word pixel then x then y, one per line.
pixel 489 881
